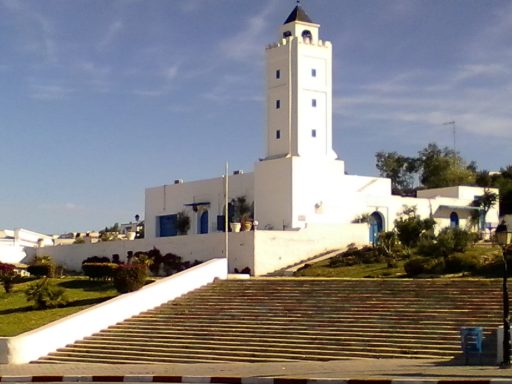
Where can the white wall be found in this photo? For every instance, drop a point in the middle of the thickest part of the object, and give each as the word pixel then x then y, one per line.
pixel 273 202
pixel 192 247
pixel 171 199
pixel 31 345
pixel 10 252
pixel 275 250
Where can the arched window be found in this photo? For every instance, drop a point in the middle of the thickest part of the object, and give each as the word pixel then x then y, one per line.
pixel 307 34
pixel 286 34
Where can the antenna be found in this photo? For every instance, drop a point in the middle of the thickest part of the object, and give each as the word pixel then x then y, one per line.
pixel 452 124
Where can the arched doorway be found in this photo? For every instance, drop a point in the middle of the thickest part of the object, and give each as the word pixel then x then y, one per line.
pixel 203 222
pixel 376 221
pixel 454 220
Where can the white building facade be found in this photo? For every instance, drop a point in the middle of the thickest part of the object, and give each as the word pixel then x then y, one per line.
pixel 300 184
pixel 16 243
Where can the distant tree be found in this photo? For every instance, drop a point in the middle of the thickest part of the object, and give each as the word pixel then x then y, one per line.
pixel 501 180
pixel 110 233
pixel 444 167
pixel 487 201
pixel 483 179
pixel 400 169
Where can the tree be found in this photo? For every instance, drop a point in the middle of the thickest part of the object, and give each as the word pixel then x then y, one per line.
pixel 486 201
pixel 444 167
pixel 400 169
pixel 501 180
pixel 435 167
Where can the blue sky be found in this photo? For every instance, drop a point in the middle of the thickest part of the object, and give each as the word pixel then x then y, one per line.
pixel 100 99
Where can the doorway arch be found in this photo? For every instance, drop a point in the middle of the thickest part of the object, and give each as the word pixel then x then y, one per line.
pixel 203 222
pixel 376 221
pixel 454 220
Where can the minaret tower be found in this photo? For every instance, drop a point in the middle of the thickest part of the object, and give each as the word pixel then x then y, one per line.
pixel 297 182
pixel 299 91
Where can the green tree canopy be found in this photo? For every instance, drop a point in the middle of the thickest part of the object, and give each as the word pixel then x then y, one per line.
pixel 434 167
pixel 444 167
pixel 501 180
pixel 400 169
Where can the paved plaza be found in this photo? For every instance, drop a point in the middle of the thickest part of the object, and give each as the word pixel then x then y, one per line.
pixel 387 369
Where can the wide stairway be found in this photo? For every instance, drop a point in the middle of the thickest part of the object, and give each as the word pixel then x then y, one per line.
pixel 276 319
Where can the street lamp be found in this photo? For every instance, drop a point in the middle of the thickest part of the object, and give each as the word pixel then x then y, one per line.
pixel 502 239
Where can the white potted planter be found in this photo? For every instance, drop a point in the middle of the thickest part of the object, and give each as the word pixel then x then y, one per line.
pixel 235 227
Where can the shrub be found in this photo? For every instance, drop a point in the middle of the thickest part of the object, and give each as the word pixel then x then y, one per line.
pixel 494 268
pixel 42 266
pixel 390 248
pixel 99 271
pixel 423 265
pixel 96 259
pixel 451 240
pixel 427 247
pixel 354 255
pixel 172 264
pixel 415 266
pixel 8 276
pixel 460 262
pixel 409 228
pixel 154 260
pixel 130 277
pixel 45 295
pixel 42 270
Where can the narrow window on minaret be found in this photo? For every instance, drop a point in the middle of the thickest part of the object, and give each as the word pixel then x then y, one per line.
pixel 313 133
pixel 278 74
pixel 313 102
pixel 313 72
pixel 278 104
pixel 278 134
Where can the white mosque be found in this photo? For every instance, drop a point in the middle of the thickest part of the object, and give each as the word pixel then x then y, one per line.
pixel 302 200
pixel 301 182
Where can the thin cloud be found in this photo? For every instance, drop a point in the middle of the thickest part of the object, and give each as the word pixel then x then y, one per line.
pixel 42 42
pixel 170 73
pixel 62 207
pixel 49 92
pixel 113 30
pixel 471 71
pixel 245 45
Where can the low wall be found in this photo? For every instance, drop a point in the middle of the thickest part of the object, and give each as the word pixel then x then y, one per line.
pixel 275 250
pixel 190 248
pixel 31 345
pixel 261 251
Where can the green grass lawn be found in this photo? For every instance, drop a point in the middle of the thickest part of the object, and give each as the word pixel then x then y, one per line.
pixel 322 269
pixel 379 270
pixel 18 316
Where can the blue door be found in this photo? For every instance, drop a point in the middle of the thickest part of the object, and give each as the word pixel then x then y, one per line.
pixel 168 225
pixel 454 220
pixel 376 226
pixel 203 222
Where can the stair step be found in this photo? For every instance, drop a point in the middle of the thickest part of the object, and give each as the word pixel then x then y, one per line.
pixel 274 319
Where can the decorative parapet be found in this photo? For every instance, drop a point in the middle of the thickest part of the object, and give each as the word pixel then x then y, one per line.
pixel 288 40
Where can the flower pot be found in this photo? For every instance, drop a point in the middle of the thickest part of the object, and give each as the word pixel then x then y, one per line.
pixel 235 227
pixel 130 235
pixel 246 226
